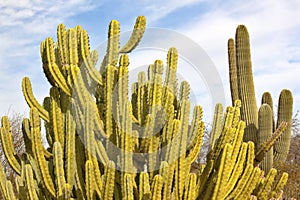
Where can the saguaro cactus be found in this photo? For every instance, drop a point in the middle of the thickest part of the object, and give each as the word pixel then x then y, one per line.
pixel 104 145
pixel 242 87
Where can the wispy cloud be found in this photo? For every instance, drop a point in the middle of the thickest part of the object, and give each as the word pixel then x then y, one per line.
pixel 23 25
pixel 274 29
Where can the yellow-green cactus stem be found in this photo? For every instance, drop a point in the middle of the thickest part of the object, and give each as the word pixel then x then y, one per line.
pixel 90 180
pixel 32 193
pixel 217 124
pixel 136 35
pixel 128 187
pixel 73 46
pixel 280 184
pixel 31 101
pixel 56 116
pixel 108 181
pixel 156 187
pixel 223 173
pixel 242 181
pixel 7 145
pixel 267 185
pixel 62 44
pixel 70 149
pixel 38 149
pixel 88 62
pixel 237 170
pixel 190 187
pixel 144 186
pixel 59 167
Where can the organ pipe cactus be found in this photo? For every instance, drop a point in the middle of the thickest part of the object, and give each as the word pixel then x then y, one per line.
pixel 104 145
pixel 258 126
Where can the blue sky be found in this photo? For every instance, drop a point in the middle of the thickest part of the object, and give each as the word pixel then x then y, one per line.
pixel 274 28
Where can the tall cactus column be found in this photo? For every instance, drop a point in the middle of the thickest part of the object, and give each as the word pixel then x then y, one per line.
pixel 241 76
pixel 258 126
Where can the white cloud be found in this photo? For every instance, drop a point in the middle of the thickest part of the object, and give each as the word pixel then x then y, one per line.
pixel 23 25
pixel 274 28
pixel 156 9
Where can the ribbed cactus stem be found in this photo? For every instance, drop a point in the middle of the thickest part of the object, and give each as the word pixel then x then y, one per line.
pixel 265 124
pixel 285 114
pixel 245 81
pixel 233 71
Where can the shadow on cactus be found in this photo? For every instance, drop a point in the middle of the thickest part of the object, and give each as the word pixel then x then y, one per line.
pixel 95 151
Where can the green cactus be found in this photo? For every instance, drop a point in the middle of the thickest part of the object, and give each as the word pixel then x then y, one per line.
pixel 260 124
pixel 104 145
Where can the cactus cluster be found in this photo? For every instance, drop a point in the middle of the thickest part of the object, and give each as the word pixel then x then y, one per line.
pixel 260 123
pixel 104 144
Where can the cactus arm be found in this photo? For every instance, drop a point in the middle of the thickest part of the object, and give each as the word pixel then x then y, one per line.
pixel 250 153
pixel 113 45
pixel 59 79
pixel 51 70
pixel 31 101
pixel 267 99
pixel 123 79
pixel 56 116
pixel 190 188
pixel 136 36
pixel 109 178
pixel 141 100
pixel 70 149
pixel 86 57
pixel 2 181
pixel 59 167
pixel 267 185
pixel 167 189
pixel 242 181
pixel 196 145
pixel 38 149
pixel 170 78
pixel 62 44
pixel 224 172
pixel 109 100
pixel 265 127
pixel 238 139
pixel 90 180
pixel 205 176
pixel 233 71
pixel 237 170
pixel 9 150
pixel 30 183
pixel 156 187
pixel 251 184
pixel 184 91
pixel 285 114
pixel 101 153
pixel 73 46
pixel 144 186
pixel 180 172
pixel 265 147
pixel 10 191
pixel 217 124
pixel 128 187
pixel 280 184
